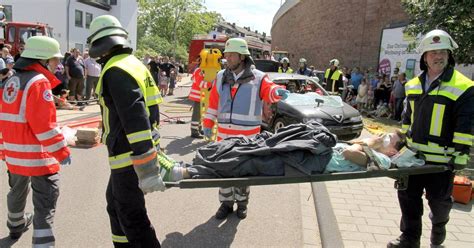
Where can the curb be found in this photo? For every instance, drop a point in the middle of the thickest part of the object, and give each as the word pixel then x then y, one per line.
pixel 327 222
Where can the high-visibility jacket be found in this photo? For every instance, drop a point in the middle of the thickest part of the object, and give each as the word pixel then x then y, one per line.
pixel 439 121
pixel 129 101
pixel 282 70
pixel 195 93
pixel 237 104
pixel 31 140
pixel 334 81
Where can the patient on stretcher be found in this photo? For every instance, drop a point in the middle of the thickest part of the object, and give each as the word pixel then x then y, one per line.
pixel 365 154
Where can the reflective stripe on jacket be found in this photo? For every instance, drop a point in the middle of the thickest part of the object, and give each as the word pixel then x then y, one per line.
pixel 195 93
pixel 31 141
pixel 439 122
pixel 238 108
pixel 130 113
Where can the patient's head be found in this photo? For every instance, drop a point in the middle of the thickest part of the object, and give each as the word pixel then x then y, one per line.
pixel 390 143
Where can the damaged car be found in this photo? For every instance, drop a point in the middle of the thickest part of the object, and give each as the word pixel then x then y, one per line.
pixel 308 101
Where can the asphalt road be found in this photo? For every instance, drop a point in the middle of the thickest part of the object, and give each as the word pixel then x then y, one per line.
pixel 182 218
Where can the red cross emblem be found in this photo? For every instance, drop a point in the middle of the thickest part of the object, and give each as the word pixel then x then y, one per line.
pixel 10 90
pixel 12 86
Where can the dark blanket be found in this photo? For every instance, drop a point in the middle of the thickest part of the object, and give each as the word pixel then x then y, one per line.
pixel 306 147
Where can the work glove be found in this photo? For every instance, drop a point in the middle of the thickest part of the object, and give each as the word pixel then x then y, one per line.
pixel 282 93
pixel 458 161
pixel 66 161
pixel 207 132
pixel 148 172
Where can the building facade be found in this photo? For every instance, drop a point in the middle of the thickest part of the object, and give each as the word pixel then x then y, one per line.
pixel 70 19
pixel 321 30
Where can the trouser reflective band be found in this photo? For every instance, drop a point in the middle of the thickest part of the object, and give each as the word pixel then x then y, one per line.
pixel 239 194
pixel 43 238
pixel 463 138
pixel 120 161
pixel 16 220
pixel 119 239
pixel 437 119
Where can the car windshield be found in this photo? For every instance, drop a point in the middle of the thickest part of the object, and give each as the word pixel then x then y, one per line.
pixel 311 98
pixel 300 85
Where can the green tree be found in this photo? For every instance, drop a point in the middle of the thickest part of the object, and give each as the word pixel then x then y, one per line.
pixel 454 16
pixel 167 26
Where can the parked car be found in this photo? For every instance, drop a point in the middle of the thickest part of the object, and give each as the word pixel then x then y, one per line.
pixel 308 101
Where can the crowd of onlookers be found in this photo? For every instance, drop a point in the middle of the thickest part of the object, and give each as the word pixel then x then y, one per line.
pixel 375 93
pixel 165 71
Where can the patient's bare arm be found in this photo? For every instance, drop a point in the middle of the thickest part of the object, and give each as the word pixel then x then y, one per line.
pixel 355 154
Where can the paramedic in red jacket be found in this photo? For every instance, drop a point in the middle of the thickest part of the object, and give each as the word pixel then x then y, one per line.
pixel 236 102
pixel 32 144
pixel 195 96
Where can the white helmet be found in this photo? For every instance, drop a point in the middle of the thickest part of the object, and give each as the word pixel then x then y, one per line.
pixel 436 40
pixel 303 60
pixel 334 62
pixel 223 61
pixel 285 60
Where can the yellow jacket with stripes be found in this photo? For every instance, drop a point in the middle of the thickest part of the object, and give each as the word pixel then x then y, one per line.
pixel 129 101
pixel 439 121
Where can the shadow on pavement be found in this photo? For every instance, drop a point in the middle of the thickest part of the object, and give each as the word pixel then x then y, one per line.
pixel 7 242
pixel 465 208
pixel 182 146
pixel 213 233
pixel 180 100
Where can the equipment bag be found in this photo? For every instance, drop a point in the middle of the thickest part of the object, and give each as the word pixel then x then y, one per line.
pixel 462 189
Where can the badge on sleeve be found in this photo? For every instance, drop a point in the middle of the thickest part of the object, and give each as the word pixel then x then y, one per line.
pixel 11 89
pixel 48 95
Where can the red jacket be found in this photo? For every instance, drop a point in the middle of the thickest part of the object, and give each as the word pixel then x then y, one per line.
pixel 195 93
pixel 32 142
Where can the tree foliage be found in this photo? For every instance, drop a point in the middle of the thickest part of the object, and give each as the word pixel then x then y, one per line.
pixel 454 16
pixel 167 26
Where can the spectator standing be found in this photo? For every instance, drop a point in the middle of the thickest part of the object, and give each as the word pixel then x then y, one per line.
pixel 166 67
pixel 20 50
pixel 75 73
pixel 153 67
pixel 361 99
pixel 399 94
pixel 93 70
pixel 356 78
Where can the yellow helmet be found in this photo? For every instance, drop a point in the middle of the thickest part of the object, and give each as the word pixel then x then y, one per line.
pixel 436 40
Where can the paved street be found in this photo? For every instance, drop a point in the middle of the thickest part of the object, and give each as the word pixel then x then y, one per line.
pixel 366 211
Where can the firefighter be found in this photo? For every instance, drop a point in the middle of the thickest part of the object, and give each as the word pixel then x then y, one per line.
pixel 285 66
pixel 236 102
pixel 303 69
pixel 129 101
pixel 195 97
pixel 333 77
pixel 32 144
pixel 438 121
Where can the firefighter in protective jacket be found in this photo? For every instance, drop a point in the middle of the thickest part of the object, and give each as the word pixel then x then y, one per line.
pixel 129 101
pixel 438 121
pixel 30 140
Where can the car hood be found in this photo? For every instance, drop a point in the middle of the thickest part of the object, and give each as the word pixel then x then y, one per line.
pixel 305 106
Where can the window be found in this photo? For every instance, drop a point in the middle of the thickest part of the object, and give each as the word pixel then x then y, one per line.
pixel 11 35
pixel 7 10
pixel 78 19
pixel 89 18
pixel 79 47
pixel 113 2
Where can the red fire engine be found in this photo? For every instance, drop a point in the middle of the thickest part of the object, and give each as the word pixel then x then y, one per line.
pixel 16 33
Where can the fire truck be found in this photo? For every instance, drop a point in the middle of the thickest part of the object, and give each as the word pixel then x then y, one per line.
pixel 199 42
pixel 16 33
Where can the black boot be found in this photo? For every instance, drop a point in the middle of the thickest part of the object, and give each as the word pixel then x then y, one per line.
pixel 242 211
pixel 28 221
pixel 438 235
pixel 223 211
pixel 195 134
pixel 402 242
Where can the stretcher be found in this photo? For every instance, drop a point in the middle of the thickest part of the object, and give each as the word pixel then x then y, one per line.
pixel 294 176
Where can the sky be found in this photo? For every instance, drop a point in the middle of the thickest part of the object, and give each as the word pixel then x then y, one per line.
pixel 256 14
